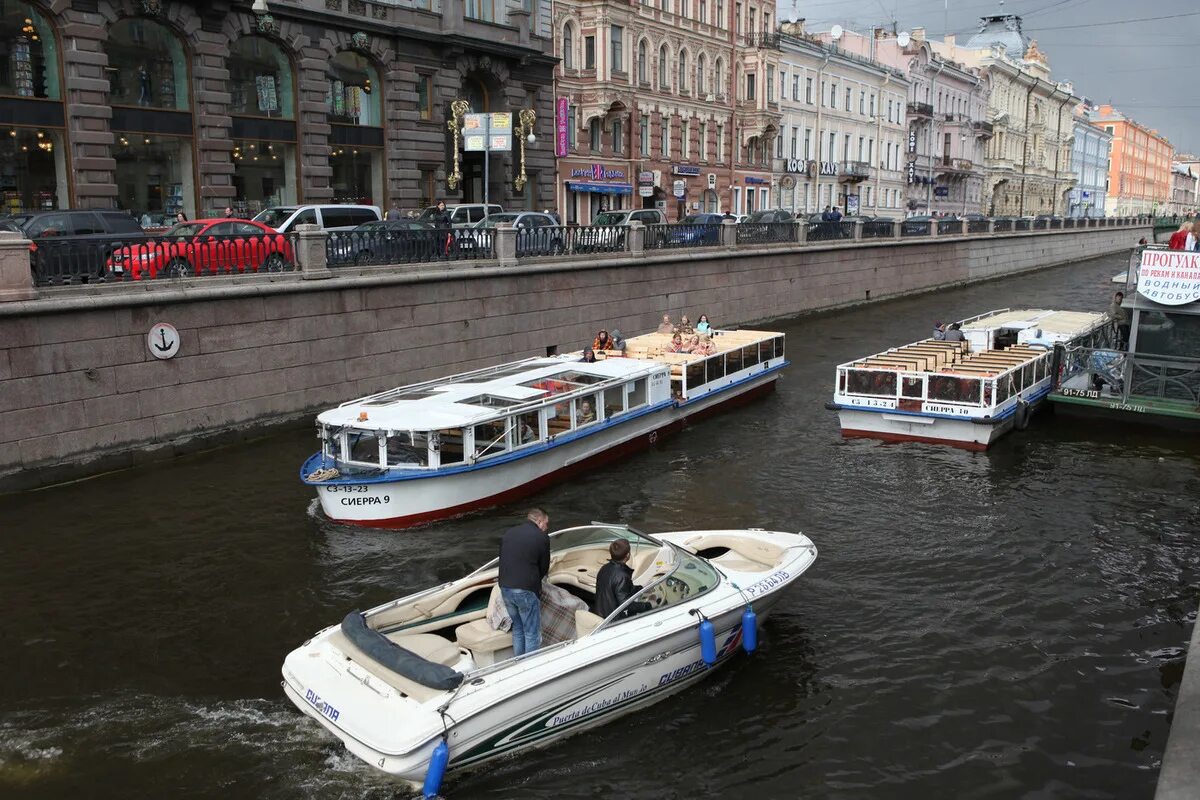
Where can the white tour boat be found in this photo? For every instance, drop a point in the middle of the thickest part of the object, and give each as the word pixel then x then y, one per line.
pixel 448 446
pixel 967 393
pixel 427 679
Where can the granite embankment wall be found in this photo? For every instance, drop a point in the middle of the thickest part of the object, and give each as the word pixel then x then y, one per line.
pixel 80 393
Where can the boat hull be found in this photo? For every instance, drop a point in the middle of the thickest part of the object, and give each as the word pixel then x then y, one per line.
pixel 405 503
pixel 896 428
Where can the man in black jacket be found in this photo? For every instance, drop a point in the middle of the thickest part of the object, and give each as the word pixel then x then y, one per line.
pixel 614 583
pixel 524 561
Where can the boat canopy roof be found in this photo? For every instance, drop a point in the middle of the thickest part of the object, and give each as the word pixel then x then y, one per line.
pixel 472 397
pixel 1061 323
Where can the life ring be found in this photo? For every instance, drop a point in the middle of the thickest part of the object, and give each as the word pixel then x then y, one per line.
pixel 1021 414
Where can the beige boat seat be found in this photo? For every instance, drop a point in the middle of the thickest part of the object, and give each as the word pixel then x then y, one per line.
pixel 745 555
pixel 429 646
pixel 586 622
pixel 488 645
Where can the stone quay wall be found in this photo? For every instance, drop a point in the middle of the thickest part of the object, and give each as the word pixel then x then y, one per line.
pixel 80 392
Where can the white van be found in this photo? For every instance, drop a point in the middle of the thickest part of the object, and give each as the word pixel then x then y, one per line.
pixel 463 215
pixel 329 218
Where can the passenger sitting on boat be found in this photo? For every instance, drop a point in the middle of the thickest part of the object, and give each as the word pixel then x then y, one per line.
pixel 706 347
pixel 614 583
pixel 602 341
pixel 685 326
pixel 676 345
pixel 692 345
pixel 618 341
pixel 585 413
pixel 666 326
pixel 939 331
pixel 702 325
pixel 588 355
pixel 955 333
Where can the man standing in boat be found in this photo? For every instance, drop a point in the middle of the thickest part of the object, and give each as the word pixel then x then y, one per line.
pixel 524 562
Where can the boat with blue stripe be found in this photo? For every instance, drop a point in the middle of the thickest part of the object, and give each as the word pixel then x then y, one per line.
pixel 966 393
pixel 449 446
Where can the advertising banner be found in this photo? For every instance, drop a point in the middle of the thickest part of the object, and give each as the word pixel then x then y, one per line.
pixel 562 134
pixel 1170 277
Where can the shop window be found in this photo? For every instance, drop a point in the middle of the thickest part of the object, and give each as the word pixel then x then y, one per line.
pixel 147 66
pixel 33 170
pixel 28 53
pixel 264 175
pixel 353 92
pixel 154 178
pixel 428 187
pixel 357 175
pixel 260 79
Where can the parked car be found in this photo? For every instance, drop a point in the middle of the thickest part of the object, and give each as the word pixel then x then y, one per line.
pixel 705 230
pixel 770 215
pixel 463 215
pixel 8 226
pixel 918 224
pixel 606 231
pixel 384 242
pixel 74 243
pixel 537 233
pixel 325 217
pixel 205 246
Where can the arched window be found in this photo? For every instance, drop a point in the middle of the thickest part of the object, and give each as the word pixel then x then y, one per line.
pixel 146 66
pixel 354 91
pixel 700 64
pixel 664 80
pixel 641 61
pixel 719 77
pixel 29 66
pixel 568 46
pixel 260 79
pixel 683 70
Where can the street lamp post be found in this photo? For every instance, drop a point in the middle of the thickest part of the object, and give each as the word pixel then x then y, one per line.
pixel 526 119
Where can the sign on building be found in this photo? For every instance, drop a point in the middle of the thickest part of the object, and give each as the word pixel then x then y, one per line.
pixel 562 127
pixel 487 132
pixel 1170 277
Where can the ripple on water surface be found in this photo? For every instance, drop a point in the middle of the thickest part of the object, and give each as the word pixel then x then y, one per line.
pixel 978 625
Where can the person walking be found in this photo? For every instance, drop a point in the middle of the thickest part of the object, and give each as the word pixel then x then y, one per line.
pixel 524 562
pixel 394 212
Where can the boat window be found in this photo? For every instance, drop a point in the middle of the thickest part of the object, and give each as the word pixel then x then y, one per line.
pixel 695 374
pixel 683 582
pixel 749 355
pixel 493 401
pixel 1001 389
pixel 408 449
pixel 503 372
pixel 614 401
pixel 580 378
pixel 491 438
pixel 560 419
pixel 766 350
pixel 527 428
pixel 363 447
pixel 947 389
pixel 449 442
pixel 636 394
pixel 733 361
pixel 872 382
pixel 714 368
pixel 778 346
pixel 586 409
pixel 1027 375
pixel 912 387
pixel 595 534
pixel 989 388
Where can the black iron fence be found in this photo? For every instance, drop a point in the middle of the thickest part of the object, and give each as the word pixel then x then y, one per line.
pixel 878 229
pixel 1002 225
pixel 947 227
pixel 830 231
pixel 978 225
pixel 383 246
pixel 1021 224
pixel 766 232
pixel 915 227
pixel 667 236
pixel 101 259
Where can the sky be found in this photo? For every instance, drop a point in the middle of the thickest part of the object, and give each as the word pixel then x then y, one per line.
pixel 1147 68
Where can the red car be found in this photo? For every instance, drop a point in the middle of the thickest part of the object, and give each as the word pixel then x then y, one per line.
pixel 205 247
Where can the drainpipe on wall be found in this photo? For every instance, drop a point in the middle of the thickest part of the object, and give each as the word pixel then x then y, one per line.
pixel 929 138
pixel 820 133
pixel 1058 150
pixel 1025 146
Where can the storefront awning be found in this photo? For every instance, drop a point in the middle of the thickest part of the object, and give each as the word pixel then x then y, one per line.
pixel 599 188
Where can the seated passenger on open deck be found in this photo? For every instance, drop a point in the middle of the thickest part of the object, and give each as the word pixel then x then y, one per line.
pixel 618 341
pixel 693 344
pixel 585 413
pixel 614 583
pixel 702 325
pixel 666 326
pixel 939 332
pixel 954 334
pixel 684 327
pixel 706 347
pixel 676 345
pixel 588 356
pixel 602 341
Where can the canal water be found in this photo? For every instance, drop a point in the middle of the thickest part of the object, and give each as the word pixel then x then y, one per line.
pixel 978 625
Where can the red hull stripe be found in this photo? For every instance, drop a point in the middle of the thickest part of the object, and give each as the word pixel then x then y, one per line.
pixel 904 437
pixel 524 490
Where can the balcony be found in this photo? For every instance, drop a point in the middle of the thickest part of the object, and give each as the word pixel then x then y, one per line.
pixel 982 128
pixel 764 41
pixel 855 171
pixel 920 110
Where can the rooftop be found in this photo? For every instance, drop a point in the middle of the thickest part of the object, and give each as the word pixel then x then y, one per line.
pixel 1000 29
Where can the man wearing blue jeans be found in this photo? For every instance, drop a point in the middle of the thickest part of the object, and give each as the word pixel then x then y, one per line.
pixel 524 561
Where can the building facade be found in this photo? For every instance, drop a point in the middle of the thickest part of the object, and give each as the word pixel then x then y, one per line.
pixel 1139 177
pixel 157 106
pixel 1090 151
pixel 1185 191
pixel 842 132
pixel 655 111
pixel 1027 166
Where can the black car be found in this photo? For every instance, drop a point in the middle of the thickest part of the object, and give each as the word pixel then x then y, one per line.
pixel 74 245
pixel 769 215
pixel 385 242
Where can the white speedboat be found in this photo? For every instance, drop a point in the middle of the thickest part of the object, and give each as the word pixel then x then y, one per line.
pixel 966 393
pixel 453 445
pixel 397 681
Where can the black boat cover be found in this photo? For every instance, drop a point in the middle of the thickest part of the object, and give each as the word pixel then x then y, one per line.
pixel 391 655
